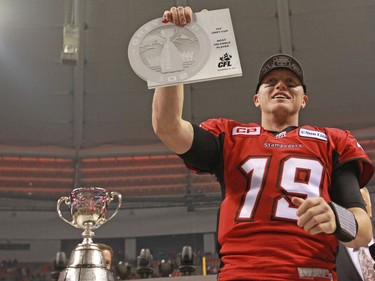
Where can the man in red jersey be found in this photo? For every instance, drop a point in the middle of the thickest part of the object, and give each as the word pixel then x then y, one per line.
pixel 290 192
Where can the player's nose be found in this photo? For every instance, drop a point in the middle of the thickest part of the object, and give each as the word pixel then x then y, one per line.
pixel 280 85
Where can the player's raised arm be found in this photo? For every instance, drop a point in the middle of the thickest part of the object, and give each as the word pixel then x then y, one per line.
pixel 176 133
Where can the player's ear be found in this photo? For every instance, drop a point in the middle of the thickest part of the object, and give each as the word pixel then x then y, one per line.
pixel 305 99
pixel 256 100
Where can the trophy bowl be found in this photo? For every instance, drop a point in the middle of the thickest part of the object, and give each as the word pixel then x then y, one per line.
pixel 88 206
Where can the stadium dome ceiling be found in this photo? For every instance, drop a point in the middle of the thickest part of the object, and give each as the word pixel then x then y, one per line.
pixel 99 106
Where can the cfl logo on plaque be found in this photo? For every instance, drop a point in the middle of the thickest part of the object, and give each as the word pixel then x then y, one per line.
pixel 225 61
pixel 165 53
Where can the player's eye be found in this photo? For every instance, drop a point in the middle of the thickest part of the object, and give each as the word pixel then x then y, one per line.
pixel 291 83
pixel 271 81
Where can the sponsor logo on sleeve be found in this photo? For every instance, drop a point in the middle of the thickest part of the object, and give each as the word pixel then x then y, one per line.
pixel 312 134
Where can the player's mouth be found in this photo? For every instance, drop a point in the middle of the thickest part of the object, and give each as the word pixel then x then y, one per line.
pixel 280 95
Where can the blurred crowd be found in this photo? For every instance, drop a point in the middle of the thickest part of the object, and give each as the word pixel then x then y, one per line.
pixel 145 266
pixel 12 270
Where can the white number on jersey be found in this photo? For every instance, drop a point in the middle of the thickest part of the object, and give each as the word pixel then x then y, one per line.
pixel 301 177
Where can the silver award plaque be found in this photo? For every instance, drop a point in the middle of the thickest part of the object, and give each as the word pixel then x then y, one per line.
pixel 205 49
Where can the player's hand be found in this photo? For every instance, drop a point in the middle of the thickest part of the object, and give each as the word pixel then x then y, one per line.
pixel 315 215
pixel 178 15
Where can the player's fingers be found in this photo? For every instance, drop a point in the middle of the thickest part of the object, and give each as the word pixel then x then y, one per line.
pixel 315 230
pixel 326 227
pixel 167 16
pixel 188 14
pixel 309 217
pixel 297 201
pixel 180 16
pixel 174 16
pixel 182 20
pixel 317 223
pixel 309 203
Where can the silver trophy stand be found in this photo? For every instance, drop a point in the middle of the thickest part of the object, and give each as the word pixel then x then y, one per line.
pixel 88 209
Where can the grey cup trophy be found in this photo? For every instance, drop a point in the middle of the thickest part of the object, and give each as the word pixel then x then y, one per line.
pixel 88 208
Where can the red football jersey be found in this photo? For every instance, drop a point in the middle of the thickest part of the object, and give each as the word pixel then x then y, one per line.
pixel 257 231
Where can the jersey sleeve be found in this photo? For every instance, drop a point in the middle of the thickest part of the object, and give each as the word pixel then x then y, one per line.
pixel 205 153
pixel 349 149
pixel 215 126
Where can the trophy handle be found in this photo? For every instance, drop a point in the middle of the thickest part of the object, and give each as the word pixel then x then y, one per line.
pixel 67 202
pixel 119 199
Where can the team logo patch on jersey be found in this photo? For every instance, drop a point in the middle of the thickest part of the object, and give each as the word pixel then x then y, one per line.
pixel 312 134
pixel 281 135
pixel 247 131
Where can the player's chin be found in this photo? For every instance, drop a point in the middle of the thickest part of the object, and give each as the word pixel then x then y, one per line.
pixel 283 101
pixel 284 106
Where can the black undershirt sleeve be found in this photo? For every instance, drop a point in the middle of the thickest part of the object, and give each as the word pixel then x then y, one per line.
pixel 205 152
pixel 345 189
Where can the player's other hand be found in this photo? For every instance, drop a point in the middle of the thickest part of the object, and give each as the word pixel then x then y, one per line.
pixel 315 215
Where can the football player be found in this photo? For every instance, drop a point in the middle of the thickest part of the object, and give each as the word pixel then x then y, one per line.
pixel 290 191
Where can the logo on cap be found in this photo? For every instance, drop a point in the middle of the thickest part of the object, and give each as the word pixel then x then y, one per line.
pixel 282 62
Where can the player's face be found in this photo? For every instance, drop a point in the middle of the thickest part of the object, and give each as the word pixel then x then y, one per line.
pixel 280 92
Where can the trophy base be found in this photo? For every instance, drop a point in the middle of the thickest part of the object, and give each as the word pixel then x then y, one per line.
pixel 85 274
pixel 86 264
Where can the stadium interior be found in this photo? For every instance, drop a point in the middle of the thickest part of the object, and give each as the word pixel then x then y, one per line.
pixel 86 121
